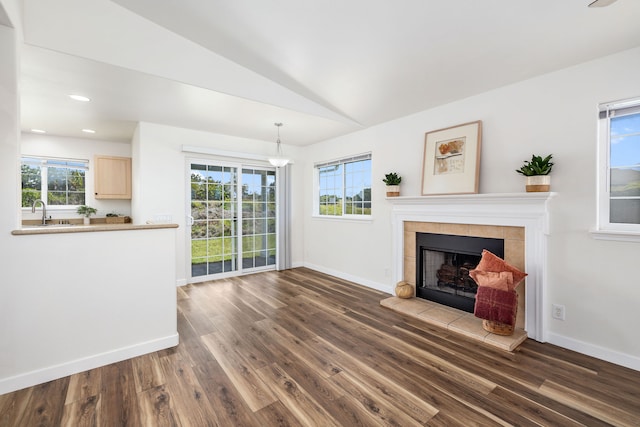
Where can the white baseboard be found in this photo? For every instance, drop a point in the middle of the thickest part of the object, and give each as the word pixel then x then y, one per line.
pixel 181 282
pixel 359 280
pixel 29 379
pixel 622 359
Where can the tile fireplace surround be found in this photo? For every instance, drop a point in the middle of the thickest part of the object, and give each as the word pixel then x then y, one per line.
pixel 519 218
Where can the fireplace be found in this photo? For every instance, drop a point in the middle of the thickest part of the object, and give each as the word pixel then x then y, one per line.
pixel 443 265
pixel 521 219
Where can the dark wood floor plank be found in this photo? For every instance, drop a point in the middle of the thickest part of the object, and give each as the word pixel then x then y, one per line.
pixel 247 343
pixel 155 408
pixel 82 403
pixel 200 320
pixel 46 405
pixel 119 402
pixel 301 404
pixel 533 411
pixel 189 403
pixel 285 343
pixel 227 402
pixel 14 407
pixel 433 390
pixel 301 348
pixel 276 415
pixel 601 410
pixel 511 374
pixel 378 407
pixel 416 380
pixel 82 413
pixel 256 394
pixel 84 385
pixel 147 371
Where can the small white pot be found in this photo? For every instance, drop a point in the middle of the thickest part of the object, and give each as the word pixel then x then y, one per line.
pixel 86 220
pixel 538 183
pixel 393 190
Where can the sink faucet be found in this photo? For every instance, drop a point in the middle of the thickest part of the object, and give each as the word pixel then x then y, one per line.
pixel 44 210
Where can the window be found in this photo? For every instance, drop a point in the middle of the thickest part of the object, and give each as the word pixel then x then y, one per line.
pixel 344 186
pixel 619 166
pixel 57 182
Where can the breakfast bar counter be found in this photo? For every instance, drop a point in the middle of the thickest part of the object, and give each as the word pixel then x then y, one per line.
pixel 60 229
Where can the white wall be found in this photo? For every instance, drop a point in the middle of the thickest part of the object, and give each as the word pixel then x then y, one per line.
pixel 160 179
pixel 9 188
pixel 555 113
pixel 83 300
pixel 75 301
pixel 76 148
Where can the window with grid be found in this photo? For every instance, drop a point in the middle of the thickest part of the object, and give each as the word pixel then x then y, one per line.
pixel 619 166
pixel 57 182
pixel 344 187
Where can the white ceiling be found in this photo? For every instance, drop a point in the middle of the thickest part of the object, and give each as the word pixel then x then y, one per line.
pixel 323 68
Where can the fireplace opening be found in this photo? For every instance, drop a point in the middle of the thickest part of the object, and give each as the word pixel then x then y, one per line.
pixel 444 262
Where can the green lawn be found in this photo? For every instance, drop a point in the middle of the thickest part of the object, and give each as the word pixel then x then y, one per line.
pixel 220 249
pixel 336 209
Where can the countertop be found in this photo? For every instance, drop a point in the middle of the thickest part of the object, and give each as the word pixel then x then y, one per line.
pixel 60 229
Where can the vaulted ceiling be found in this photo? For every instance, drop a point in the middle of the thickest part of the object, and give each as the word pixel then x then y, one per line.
pixel 323 68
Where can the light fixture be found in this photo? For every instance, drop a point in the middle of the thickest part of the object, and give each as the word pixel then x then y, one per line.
pixel 79 98
pixel 88 131
pixel 279 160
pixel 38 131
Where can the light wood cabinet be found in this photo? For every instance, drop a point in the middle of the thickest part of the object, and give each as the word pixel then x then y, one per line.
pixel 112 177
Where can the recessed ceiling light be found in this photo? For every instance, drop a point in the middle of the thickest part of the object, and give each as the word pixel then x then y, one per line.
pixel 38 131
pixel 79 98
pixel 88 131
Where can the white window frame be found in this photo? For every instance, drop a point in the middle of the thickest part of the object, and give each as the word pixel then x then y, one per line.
pixel 44 163
pixel 316 189
pixel 606 230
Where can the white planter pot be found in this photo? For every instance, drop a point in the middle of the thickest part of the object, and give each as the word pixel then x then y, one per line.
pixel 86 220
pixel 393 190
pixel 538 183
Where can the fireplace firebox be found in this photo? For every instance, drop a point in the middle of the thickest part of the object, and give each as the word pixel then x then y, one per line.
pixel 444 262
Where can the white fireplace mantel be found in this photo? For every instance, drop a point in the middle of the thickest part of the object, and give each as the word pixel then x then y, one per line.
pixel 528 210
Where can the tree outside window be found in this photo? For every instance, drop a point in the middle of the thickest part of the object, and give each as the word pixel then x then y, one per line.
pixel 56 182
pixel 344 187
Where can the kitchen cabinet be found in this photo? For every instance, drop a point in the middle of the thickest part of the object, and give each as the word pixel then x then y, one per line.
pixel 112 177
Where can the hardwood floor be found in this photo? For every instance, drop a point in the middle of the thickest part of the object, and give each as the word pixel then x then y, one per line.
pixel 299 348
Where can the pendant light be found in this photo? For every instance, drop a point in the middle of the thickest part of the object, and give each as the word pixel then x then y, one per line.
pixel 279 160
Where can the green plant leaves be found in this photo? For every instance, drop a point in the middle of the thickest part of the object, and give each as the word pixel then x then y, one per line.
pixel 536 166
pixel 392 179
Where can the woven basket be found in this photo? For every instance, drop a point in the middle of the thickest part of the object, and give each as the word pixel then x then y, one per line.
pixel 497 327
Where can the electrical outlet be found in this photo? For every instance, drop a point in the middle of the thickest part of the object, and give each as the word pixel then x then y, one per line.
pixel 557 311
pixel 162 218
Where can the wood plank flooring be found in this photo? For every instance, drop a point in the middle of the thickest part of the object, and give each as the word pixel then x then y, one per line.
pixel 299 348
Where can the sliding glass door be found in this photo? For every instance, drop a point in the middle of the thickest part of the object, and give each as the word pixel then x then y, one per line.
pixel 233 219
pixel 258 218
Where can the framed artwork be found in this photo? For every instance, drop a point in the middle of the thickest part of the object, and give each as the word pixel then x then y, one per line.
pixel 451 163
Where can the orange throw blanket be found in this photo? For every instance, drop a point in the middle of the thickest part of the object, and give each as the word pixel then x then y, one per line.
pixel 496 305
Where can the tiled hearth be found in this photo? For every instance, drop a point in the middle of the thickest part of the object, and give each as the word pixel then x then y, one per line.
pixel 453 320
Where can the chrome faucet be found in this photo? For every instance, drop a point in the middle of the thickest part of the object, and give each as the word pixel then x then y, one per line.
pixel 44 210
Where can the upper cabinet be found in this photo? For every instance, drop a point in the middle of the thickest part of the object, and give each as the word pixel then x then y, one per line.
pixel 112 177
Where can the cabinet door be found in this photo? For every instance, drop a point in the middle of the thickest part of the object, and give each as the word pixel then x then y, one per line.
pixel 112 177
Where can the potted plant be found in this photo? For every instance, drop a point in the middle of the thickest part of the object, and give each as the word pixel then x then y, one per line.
pixel 86 212
pixel 537 171
pixel 115 218
pixel 393 181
